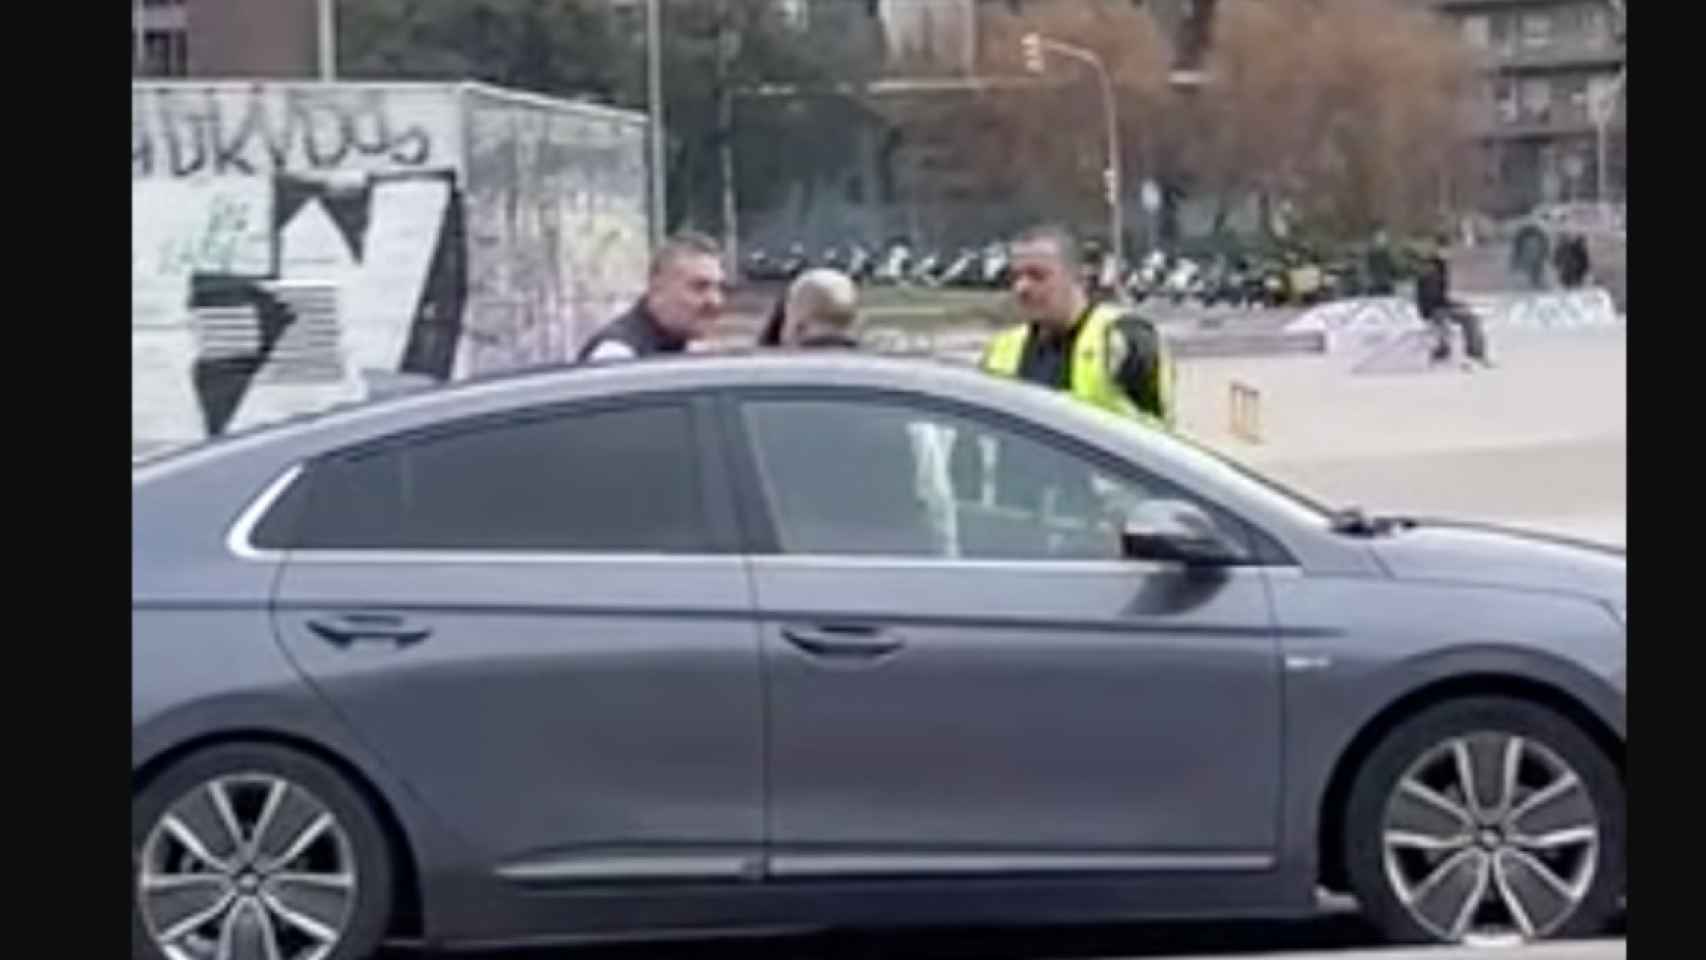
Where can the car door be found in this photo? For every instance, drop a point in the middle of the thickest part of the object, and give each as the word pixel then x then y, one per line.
pixel 539 621
pixel 964 676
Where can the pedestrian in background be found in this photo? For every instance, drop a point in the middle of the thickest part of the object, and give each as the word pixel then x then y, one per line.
pixel 1529 250
pixel 1571 260
pixel 1435 304
pixel 1382 266
pixel 682 302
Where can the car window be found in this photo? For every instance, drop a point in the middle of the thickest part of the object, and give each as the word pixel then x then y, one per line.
pixel 856 477
pixel 615 480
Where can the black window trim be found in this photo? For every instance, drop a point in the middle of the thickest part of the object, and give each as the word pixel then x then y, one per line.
pixel 711 480
pixel 757 515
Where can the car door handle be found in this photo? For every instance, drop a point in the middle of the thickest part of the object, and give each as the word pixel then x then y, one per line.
pixel 346 629
pixel 842 640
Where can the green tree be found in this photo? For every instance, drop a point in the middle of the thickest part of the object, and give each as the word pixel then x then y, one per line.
pixel 590 49
pixel 560 47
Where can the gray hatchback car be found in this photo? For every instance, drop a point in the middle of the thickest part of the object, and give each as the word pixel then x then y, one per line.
pixel 783 641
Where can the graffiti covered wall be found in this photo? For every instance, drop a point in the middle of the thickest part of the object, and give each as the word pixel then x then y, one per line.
pixel 287 243
pixel 556 225
pixel 295 245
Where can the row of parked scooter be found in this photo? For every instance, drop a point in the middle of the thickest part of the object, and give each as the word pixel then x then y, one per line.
pixel 1238 281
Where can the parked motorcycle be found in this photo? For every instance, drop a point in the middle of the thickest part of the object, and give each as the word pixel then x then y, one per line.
pixel 924 271
pixel 1183 282
pixel 995 268
pixel 961 271
pixel 860 264
pixel 894 266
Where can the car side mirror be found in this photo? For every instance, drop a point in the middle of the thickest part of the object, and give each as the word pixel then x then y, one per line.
pixel 1177 531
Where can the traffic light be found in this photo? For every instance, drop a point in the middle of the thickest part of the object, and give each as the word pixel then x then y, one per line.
pixel 1031 45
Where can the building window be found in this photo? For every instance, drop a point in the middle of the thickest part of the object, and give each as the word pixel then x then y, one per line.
pixel 1572 96
pixel 1536 31
pixel 1502 27
pixel 164 53
pixel 1586 26
pixel 1600 88
pixel 1478 32
pixel 796 13
pixel 1505 102
pixel 1537 100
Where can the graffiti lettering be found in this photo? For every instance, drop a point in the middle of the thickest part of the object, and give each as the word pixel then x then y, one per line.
pixel 186 132
pixel 217 248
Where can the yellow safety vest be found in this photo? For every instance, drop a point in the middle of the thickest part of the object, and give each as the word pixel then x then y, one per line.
pixel 1089 377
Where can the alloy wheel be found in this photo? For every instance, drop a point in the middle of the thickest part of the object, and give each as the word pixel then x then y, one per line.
pixel 247 867
pixel 1491 838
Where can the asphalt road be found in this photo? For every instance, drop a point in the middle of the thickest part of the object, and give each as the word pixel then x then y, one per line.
pixel 1340 936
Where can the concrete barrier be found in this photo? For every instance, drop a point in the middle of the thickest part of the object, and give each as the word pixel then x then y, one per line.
pixel 1365 327
pixel 1587 308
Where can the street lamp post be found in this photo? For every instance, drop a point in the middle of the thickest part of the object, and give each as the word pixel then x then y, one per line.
pixel 1604 108
pixel 654 106
pixel 1032 46
pixel 328 30
pixel 138 35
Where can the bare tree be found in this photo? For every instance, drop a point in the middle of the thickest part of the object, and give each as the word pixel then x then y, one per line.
pixel 1352 110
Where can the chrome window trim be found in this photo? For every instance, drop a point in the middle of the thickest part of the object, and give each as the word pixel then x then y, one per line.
pixel 593 868
pixel 237 539
pixel 498 557
pixel 238 542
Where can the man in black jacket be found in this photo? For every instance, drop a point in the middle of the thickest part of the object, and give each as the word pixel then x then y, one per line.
pixel 683 301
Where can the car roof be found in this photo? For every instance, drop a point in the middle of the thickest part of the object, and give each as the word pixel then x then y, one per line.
pixel 568 383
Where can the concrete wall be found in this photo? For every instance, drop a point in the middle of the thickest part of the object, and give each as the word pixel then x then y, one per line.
pixel 295 244
pixel 556 225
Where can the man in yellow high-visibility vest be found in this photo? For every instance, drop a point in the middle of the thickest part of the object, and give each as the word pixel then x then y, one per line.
pixel 1098 352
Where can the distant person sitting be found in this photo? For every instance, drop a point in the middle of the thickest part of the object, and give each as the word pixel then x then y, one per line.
pixel 1434 303
pixel 682 302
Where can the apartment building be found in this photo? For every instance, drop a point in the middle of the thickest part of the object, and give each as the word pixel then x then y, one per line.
pixel 272 39
pixel 1552 88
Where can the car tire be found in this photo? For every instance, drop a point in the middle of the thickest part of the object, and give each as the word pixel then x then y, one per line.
pixel 1556 846
pixel 339 882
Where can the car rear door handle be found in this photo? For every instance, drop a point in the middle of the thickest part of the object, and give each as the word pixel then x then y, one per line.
pixel 346 629
pixel 842 640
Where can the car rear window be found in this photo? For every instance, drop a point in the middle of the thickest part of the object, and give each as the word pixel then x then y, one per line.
pixel 622 480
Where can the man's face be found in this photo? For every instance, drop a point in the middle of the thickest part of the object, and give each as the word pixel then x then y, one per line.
pixel 686 296
pixel 1045 286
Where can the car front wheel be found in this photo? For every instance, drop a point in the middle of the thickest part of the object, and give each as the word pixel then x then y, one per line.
pixel 256 851
pixel 1486 821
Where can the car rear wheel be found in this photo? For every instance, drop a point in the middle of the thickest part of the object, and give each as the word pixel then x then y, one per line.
pixel 1487 821
pixel 256 852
